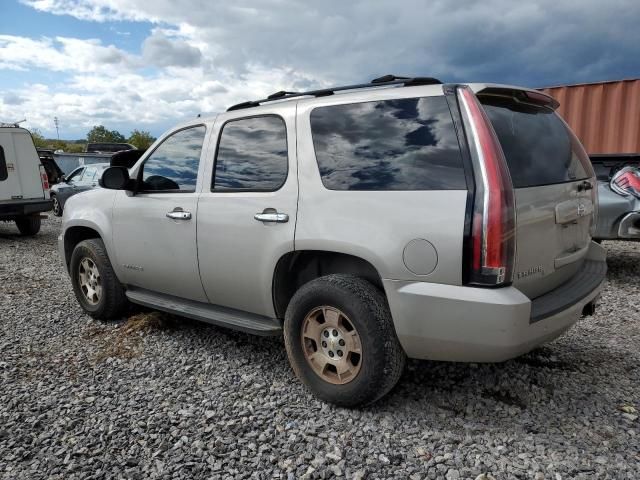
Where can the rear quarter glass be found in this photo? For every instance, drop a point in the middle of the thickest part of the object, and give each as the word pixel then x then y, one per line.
pixel 400 144
pixel 538 146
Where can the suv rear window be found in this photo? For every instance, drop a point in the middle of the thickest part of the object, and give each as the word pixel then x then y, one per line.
pixel 401 144
pixel 3 166
pixel 538 147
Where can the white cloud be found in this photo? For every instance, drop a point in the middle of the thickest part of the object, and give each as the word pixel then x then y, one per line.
pixel 206 55
pixel 61 54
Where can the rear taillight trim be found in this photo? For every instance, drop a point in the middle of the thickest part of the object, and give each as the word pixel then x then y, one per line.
pixel 492 243
pixel 44 180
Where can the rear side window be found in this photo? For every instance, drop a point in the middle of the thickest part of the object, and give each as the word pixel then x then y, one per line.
pixel 252 155
pixel 3 166
pixel 538 147
pixel 402 144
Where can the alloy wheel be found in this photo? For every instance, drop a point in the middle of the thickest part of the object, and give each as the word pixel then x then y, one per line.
pixel 331 345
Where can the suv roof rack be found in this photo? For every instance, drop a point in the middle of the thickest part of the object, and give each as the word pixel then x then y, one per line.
pixel 385 80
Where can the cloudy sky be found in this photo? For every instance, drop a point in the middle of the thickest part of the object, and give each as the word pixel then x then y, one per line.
pixel 149 63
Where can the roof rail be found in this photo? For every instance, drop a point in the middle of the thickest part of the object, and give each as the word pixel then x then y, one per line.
pixel 384 81
pixel 12 124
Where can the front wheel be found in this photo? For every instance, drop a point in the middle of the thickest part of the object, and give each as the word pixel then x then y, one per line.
pixel 341 342
pixel 28 226
pixel 95 284
pixel 57 207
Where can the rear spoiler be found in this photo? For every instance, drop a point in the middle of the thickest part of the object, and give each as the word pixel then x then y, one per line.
pixel 531 97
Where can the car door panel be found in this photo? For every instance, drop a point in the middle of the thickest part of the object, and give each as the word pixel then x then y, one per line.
pixel 237 252
pixel 154 250
pixel 68 188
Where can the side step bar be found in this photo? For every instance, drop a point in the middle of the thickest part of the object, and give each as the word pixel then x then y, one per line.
pixel 204 312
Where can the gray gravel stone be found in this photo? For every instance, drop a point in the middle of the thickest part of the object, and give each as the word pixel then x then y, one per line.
pixel 168 398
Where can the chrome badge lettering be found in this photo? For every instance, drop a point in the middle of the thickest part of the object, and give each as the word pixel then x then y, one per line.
pixel 134 267
pixel 581 210
pixel 531 271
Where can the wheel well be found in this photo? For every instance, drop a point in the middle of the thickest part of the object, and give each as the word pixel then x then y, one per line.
pixel 73 236
pixel 294 269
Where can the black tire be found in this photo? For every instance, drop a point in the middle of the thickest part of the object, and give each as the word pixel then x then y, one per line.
pixel 366 308
pixel 112 302
pixel 28 226
pixel 57 207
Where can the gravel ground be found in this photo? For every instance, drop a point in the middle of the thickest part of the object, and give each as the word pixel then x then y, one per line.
pixel 159 397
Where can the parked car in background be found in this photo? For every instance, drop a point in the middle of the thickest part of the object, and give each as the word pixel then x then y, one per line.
pixel 604 116
pixel 54 173
pixel 108 147
pixel 363 223
pixel 618 197
pixel 24 185
pixel 79 180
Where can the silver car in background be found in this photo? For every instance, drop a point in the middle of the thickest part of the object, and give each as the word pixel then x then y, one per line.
pixel 618 197
pixel 79 180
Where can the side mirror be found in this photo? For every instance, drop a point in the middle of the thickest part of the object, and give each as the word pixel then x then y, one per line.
pixel 115 178
pixel 63 178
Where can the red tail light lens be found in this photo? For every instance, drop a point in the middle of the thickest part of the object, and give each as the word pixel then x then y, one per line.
pixel 44 178
pixel 626 181
pixel 493 222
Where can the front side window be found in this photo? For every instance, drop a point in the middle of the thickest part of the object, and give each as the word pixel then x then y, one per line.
pixel 173 166
pixel 252 155
pixel 401 144
pixel 4 174
pixel 89 174
pixel 75 175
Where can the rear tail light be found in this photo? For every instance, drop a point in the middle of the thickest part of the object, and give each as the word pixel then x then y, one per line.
pixel 626 181
pixel 44 178
pixel 492 245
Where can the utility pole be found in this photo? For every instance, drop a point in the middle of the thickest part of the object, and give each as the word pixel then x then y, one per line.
pixel 56 121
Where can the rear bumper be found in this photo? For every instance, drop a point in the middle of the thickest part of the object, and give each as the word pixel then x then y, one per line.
pixel 466 324
pixel 20 208
pixel 629 226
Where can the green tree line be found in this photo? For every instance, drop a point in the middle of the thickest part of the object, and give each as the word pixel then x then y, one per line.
pixel 98 134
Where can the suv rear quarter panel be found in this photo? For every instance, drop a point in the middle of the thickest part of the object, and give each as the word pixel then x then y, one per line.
pixel 377 225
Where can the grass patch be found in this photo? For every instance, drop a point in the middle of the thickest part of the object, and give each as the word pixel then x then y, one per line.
pixel 126 340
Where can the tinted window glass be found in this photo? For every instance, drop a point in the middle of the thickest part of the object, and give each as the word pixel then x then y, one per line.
pixel 3 166
pixel 538 147
pixel 75 175
pixel 403 144
pixel 173 166
pixel 252 155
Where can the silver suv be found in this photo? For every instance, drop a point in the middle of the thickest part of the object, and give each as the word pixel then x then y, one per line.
pixel 364 223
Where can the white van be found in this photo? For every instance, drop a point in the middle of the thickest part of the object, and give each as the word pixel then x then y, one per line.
pixel 24 187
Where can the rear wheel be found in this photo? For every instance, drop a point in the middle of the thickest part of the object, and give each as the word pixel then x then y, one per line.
pixel 95 284
pixel 57 207
pixel 341 342
pixel 28 225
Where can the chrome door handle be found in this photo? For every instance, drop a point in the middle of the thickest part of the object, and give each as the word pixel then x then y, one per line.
pixel 179 214
pixel 274 217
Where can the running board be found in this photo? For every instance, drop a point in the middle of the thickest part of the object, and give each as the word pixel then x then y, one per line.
pixel 205 312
